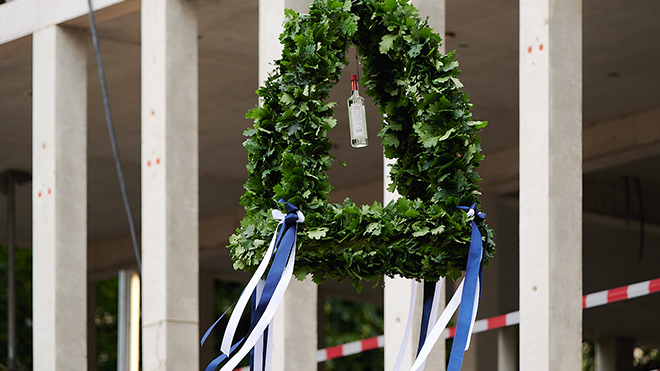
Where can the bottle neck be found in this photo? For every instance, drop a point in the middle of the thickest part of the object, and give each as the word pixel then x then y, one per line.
pixel 354 85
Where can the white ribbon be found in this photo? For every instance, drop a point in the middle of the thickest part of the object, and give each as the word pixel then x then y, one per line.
pixel 261 364
pixel 259 346
pixel 435 306
pixel 474 315
pixel 435 328
pixel 278 215
pixel 438 329
pixel 434 313
pixel 269 347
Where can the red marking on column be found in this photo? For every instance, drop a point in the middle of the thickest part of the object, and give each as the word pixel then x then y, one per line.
pixel 541 47
pixel 497 322
pixel 529 50
pixel 654 285
pixel 369 344
pixel 584 301
pixel 48 190
pixel 334 352
pixel 148 163
pixel 157 161
pixel 618 294
pixel 39 194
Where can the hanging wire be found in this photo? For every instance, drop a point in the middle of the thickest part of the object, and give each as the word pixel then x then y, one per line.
pixel 357 63
pixel 113 138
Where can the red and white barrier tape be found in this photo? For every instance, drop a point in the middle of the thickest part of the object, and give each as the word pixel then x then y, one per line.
pixel 344 350
pixel 348 349
pixel 621 293
pixel 588 301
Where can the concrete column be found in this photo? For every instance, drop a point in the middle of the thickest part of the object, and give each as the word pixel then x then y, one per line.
pixel 321 297
pixel 295 333
pixel 550 184
pixel 206 315
pixel 435 11
pixel 615 354
pixel 398 290
pixel 507 349
pixel 396 298
pixel 170 241
pixel 606 355
pixel 59 200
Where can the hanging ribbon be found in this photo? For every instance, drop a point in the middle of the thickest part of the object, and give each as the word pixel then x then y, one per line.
pixel 429 293
pixel 429 312
pixel 266 302
pixel 467 295
pixel 257 353
pixel 434 329
pixel 471 293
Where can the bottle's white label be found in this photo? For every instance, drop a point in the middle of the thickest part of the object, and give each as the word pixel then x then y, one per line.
pixel 358 122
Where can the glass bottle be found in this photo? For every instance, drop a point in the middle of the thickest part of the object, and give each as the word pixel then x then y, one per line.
pixel 357 117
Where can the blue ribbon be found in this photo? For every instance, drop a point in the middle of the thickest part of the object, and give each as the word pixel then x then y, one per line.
pixel 284 244
pixel 210 329
pixel 253 322
pixel 429 292
pixel 218 360
pixel 473 274
pixel 221 358
pixel 285 241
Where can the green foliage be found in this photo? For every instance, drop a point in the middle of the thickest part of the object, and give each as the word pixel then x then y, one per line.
pixel 642 358
pixel 588 355
pixel 105 316
pixel 350 321
pixel 105 319
pixel 646 359
pixel 428 130
pixel 23 269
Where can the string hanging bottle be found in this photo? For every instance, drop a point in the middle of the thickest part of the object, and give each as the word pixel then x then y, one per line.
pixel 357 117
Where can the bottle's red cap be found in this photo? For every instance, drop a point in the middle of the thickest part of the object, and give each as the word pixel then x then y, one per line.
pixel 354 82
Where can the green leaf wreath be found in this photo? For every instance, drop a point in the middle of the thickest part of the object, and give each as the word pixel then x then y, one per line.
pixel 428 130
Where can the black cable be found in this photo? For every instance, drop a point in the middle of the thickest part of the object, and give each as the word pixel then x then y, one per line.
pixel 113 138
pixel 357 63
